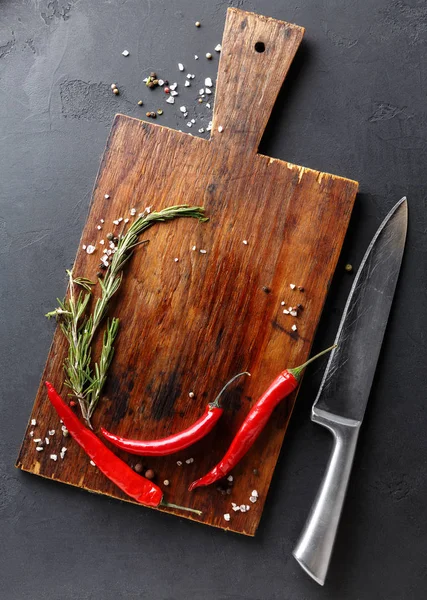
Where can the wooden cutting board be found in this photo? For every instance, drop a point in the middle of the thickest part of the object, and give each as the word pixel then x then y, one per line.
pixel 191 325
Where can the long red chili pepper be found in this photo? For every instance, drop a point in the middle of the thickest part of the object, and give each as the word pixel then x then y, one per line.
pixel 137 487
pixel 178 441
pixel 255 422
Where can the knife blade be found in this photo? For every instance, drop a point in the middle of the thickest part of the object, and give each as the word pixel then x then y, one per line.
pixel 344 391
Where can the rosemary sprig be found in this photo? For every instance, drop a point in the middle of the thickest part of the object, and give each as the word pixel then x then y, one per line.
pixel 80 328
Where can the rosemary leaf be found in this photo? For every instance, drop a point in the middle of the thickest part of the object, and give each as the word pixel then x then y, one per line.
pixel 79 328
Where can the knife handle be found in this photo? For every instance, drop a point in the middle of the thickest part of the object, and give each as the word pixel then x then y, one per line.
pixel 314 548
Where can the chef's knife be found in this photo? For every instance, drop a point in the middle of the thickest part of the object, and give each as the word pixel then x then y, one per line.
pixel 344 391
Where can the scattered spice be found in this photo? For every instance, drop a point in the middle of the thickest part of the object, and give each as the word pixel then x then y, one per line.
pixel 138 467
pixel 208 55
pixel 140 103
pixel 197 23
pixel 349 268
pixel 116 91
pixel 113 86
pixel 300 288
pixel 159 111
pixel 166 482
pixel 149 474
pixel 191 394
pixel 266 289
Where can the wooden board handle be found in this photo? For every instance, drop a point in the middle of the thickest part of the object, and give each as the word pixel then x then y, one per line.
pixel 255 57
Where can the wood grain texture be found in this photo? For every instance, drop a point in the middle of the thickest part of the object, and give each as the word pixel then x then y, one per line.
pixel 191 325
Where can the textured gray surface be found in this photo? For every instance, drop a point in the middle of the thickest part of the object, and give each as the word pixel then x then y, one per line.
pixel 354 104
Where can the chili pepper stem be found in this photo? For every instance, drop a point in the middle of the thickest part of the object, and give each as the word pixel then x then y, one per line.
pixel 216 403
pixel 186 508
pixel 296 372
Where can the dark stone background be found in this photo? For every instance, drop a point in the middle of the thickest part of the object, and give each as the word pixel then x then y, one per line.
pixel 354 104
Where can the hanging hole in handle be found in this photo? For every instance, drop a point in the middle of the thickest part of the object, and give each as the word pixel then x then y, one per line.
pixel 259 47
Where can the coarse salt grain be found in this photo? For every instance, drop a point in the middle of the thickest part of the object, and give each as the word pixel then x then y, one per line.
pixel 99 227
pixel 62 453
pixel 218 48
pixel 84 247
pixel 292 286
pixel 220 129
pixel 173 86
pixel 31 433
pixel 187 83
pixel 189 461
pixel 33 422
pixel 37 440
pixel 208 82
pixel 255 493
pixel 116 221
pixel 180 66
pixel 102 221
pixel 230 478
pixel 102 242
pixel 126 221
pixel 253 499
pixel 92 463
pixel 176 259
pixel 170 100
pixel 179 463
pixel 46 439
pixel 203 251
pixel 183 109
pixel 161 82
pixel 194 248
pixel 235 507
pixel 208 105
pixel 196 57
pixel 227 516
pixel 125 52
pixel 174 93
pixel 90 249
pixel 242 508
pixel 294 327
pixel 208 91
pixel 294 313
pixel 39 448
pixel 202 130
pixel 245 242
pixel 54 457
pixel 106 196
pixel 189 124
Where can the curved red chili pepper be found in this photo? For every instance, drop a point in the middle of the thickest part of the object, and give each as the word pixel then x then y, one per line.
pixel 255 422
pixel 178 441
pixel 137 487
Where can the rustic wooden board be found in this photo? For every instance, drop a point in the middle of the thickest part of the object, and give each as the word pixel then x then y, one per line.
pixel 191 325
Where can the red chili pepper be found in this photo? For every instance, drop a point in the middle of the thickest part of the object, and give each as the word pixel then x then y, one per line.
pixel 255 422
pixel 137 487
pixel 178 441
